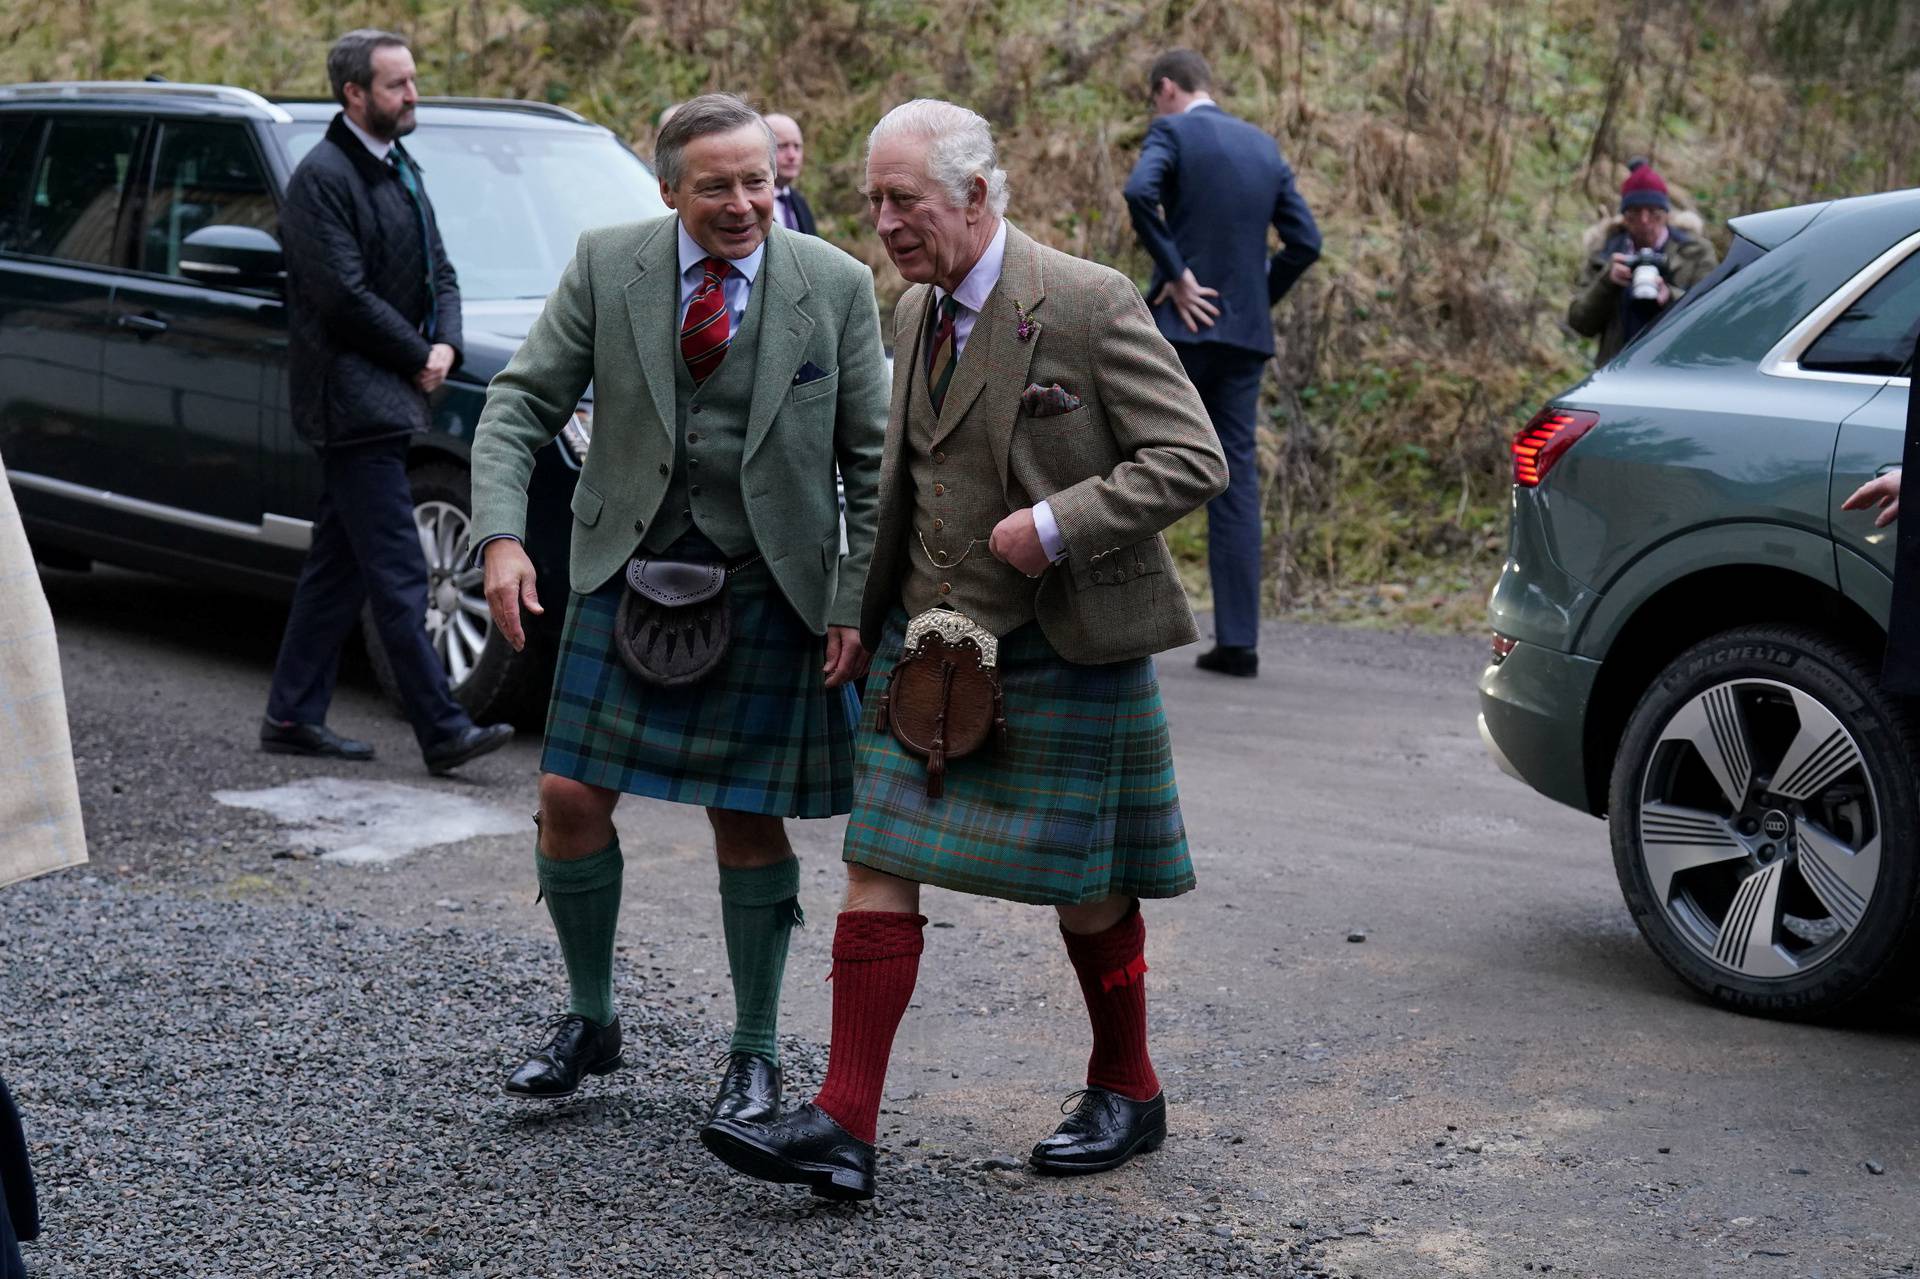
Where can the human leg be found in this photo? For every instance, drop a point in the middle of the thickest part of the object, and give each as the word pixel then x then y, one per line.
pixel 1229 383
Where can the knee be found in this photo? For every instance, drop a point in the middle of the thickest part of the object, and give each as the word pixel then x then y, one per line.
pixel 748 839
pixel 570 810
pixel 869 889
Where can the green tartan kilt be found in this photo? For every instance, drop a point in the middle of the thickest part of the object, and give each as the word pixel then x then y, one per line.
pixel 1079 804
pixel 761 734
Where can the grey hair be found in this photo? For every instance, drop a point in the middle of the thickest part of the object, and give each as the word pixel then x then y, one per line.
pixel 350 61
pixel 962 148
pixel 696 118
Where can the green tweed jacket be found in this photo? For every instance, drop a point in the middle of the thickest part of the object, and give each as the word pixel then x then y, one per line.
pixel 1137 454
pixel 613 322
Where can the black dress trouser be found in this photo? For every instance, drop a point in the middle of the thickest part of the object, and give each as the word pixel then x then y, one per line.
pixel 365 547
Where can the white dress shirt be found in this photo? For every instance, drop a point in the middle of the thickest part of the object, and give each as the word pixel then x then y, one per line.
pixel 972 296
pixel 380 149
pixel 736 287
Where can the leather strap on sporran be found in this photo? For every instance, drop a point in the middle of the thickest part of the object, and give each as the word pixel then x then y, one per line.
pixel 943 701
pixel 674 623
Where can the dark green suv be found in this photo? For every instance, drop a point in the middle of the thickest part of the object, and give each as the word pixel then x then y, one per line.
pixel 1688 630
pixel 143 338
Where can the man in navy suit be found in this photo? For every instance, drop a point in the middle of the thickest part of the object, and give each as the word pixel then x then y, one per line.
pixel 1206 188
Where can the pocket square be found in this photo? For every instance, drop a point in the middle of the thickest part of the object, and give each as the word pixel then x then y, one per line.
pixel 809 372
pixel 1048 401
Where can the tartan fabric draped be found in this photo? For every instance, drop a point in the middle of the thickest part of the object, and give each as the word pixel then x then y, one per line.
pixel 706 332
pixel 941 356
pixel 1080 804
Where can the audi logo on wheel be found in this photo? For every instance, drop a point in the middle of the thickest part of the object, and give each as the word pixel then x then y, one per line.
pixel 1774 824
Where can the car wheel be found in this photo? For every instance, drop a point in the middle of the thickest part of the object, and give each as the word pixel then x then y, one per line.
pixel 492 681
pixel 1763 823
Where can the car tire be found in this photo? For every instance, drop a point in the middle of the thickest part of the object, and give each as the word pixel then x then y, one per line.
pixel 1800 901
pixel 495 684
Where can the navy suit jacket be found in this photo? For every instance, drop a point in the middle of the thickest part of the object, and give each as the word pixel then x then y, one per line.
pixel 1202 195
pixel 802 213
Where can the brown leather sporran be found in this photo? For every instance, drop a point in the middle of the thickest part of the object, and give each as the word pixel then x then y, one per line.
pixel 943 699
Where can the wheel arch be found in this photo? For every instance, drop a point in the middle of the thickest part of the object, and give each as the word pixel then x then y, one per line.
pixel 1688 610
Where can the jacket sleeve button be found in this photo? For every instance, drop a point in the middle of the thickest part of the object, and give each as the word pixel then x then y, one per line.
pixel 639 526
pixel 665 469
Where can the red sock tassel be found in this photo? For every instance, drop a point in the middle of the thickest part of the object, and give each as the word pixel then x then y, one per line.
pixel 1112 967
pixel 876 960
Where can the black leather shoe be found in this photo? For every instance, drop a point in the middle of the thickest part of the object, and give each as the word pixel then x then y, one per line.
pixel 465 746
pixel 310 739
pixel 1226 659
pixel 749 1090
pixel 804 1147
pixel 1104 1131
pixel 575 1047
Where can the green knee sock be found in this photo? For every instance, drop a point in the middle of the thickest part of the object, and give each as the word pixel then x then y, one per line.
pixel 759 907
pixel 583 897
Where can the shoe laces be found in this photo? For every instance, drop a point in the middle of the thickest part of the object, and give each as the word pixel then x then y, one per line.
pixel 1070 1105
pixel 551 1028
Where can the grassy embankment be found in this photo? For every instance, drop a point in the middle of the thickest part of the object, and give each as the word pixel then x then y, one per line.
pixel 1453 151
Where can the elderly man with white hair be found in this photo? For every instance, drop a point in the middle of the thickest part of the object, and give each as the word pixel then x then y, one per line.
pixel 1041 437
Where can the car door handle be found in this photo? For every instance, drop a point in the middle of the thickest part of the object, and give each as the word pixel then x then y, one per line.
pixel 1885 467
pixel 143 325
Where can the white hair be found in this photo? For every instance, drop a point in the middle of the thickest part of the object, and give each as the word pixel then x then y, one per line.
pixel 962 148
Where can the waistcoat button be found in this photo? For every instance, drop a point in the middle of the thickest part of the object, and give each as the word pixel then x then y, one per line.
pixel 639 526
pixel 665 469
pixel 938 525
pixel 946 588
pixel 695 490
pixel 694 409
pixel 939 490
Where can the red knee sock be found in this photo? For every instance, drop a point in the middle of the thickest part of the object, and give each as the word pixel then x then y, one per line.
pixel 1112 967
pixel 876 960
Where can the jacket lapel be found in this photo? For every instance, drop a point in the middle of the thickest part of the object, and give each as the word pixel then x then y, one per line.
pixel 784 333
pixel 1020 290
pixel 653 313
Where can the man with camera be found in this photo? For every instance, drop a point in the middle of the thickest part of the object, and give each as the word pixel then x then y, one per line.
pixel 1638 263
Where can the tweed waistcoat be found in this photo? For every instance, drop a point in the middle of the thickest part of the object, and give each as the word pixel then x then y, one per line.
pixel 709 444
pixel 957 499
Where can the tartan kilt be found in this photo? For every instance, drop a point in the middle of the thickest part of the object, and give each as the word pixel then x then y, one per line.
pixel 1080 804
pixel 761 734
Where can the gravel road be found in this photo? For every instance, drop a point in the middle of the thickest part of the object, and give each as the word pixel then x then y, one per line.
pixel 238 1063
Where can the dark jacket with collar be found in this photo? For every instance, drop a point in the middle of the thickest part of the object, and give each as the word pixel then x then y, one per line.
pixel 802 212
pixel 1202 195
pixel 358 295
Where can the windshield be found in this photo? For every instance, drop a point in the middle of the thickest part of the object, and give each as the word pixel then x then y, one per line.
pixel 512 202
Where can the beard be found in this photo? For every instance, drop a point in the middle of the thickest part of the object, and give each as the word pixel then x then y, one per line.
pixel 388 127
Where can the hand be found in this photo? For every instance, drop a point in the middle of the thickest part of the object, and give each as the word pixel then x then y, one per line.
pixel 510 587
pixel 1666 294
pixel 846 656
pixel 1882 491
pixel 1190 301
pixel 439 364
pixel 1620 273
pixel 1016 541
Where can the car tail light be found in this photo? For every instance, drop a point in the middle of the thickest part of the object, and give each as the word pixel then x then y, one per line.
pixel 1502 646
pixel 1551 433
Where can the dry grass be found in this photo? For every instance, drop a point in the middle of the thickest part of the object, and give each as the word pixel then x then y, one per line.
pixel 1453 152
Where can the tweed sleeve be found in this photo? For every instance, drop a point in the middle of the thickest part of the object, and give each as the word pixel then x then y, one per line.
pixel 859 435
pixel 1171 459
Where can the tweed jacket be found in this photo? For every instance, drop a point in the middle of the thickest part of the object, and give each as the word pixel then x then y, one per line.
pixel 1137 454
pixel 40 827
pixel 614 322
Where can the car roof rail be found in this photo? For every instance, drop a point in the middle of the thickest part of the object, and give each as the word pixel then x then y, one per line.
pixel 548 109
pixel 227 93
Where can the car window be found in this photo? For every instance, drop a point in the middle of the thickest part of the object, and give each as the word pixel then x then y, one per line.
pixel 512 202
pixel 1875 335
pixel 1741 254
pixel 73 194
pixel 19 146
pixel 203 175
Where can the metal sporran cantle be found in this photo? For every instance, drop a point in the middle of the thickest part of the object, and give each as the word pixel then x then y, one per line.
pixel 943 699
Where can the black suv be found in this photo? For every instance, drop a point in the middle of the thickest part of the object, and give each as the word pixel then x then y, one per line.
pixel 143 336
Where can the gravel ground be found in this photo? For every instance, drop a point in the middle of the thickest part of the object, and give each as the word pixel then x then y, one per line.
pixel 244 1088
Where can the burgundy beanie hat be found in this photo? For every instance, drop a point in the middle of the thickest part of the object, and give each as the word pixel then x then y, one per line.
pixel 1644 188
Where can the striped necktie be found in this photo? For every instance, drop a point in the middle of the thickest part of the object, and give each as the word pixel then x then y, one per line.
pixel 410 180
pixel 706 332
pixel 941 355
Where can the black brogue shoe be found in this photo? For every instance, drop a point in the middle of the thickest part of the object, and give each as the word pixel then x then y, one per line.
pixel 575 1047
pixel 1103 1131
pixel 804 1147
pixel 749 1090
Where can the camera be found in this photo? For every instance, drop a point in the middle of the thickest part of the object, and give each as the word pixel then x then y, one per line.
pixel 1647 265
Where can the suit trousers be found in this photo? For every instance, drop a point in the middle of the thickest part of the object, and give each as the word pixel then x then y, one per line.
pixel 1228 379
pixel 365 547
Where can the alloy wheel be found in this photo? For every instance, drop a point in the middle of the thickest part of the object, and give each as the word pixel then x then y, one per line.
pixel 458 621
pixel 1760 828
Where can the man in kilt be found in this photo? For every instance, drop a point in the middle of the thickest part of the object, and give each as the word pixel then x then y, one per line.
pixel 735 365
pixel 1042 435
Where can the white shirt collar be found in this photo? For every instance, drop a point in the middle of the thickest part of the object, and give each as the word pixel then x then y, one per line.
pixel 373 144
pixel 692 255
pixel 978 285
pixel 1199 100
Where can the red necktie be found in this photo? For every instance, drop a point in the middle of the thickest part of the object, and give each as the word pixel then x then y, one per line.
pixel 706 332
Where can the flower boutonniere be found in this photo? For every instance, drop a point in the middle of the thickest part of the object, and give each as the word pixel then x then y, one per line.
pixel 1027 326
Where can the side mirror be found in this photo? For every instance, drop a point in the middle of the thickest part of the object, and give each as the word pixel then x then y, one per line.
pixel 233 257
